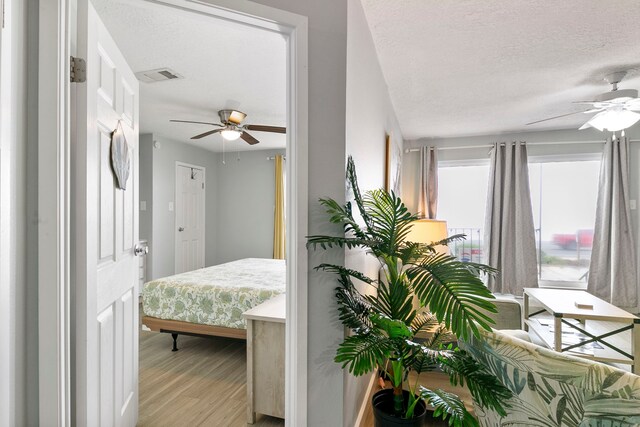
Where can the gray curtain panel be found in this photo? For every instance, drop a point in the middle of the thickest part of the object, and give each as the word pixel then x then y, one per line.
pixel 509 242
pixel 612 272
pixel 428 201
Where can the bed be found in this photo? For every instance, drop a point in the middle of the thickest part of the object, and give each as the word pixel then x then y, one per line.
pixel 210 301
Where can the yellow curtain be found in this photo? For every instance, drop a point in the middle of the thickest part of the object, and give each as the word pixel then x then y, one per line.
pixel 278 217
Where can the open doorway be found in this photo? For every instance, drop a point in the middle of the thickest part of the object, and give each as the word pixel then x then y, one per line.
pixel 106 379
pixel 207 197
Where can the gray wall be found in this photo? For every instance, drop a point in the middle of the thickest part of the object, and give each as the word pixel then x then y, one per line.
pixel 370 116
pixel 31 314
pixel 18 227
pixel 411 160
pixel 327 90
pixel 162 245
pixel 239 202
pixel 246 197
pixel 145 192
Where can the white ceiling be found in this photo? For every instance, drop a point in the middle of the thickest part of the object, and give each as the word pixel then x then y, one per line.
pixel 472 67
pixel 225 65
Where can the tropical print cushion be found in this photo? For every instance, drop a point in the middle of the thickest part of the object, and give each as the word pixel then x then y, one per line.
pixel 554 389
pixel 216 295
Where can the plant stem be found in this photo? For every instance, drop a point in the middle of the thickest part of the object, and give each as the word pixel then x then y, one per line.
pixel 398 398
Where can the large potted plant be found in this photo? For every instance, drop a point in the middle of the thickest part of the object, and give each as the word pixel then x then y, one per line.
pixel 384 322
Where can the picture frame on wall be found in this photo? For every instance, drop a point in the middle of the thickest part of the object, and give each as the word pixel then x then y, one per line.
pixel 392 173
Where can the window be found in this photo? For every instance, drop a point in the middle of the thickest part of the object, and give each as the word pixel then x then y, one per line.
pixel 563 195
pixel 462 197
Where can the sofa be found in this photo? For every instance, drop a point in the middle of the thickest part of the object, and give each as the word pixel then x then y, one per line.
pixel 509 315
pixel 555 389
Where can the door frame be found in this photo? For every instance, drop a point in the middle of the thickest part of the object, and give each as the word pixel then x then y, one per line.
pixel 55 45
pixel 175 213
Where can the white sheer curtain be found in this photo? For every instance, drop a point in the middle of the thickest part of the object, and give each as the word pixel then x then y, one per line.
pixel 509 232
pixel 612 272
pixel 428 201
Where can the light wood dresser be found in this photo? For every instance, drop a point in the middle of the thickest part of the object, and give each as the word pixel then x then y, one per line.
pixel 265 358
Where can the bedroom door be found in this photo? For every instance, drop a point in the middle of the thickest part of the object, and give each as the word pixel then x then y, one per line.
pixel 190 217
pixel 105 228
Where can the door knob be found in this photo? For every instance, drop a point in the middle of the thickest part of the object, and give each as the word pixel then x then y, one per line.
pixel 140 250
pixel 180 228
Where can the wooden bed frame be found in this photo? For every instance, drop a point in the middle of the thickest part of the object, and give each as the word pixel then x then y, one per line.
pixel 176 327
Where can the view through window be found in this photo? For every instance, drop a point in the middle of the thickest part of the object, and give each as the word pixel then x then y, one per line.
pixel 563 195
pixel 462 197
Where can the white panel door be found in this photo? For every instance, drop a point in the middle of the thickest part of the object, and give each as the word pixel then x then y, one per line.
pixel 106 233
pixel 190 218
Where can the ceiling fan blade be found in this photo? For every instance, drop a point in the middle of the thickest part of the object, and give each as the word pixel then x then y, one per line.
pixel 584 126
pixel 211 132
pixel 557 117
pixel 248 138
pixel 200 123
pixel 264 128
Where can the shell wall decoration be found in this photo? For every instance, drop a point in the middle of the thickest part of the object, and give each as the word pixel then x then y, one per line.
pixel 120 158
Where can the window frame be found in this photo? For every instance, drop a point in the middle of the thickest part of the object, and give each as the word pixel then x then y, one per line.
pixel 577 156
pixel 557 158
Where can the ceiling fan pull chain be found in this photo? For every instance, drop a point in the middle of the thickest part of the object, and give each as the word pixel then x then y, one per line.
pixel 223 158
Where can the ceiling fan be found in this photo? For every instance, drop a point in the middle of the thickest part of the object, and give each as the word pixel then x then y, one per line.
pixel 231 127
pixel 616 110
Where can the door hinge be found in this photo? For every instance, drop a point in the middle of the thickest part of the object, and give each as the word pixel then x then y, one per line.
pixel 203 185
pixel 78 70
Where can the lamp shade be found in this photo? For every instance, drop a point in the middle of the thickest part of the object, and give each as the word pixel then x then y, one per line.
pixel 614 120
pixel 231 134
pixel 428 231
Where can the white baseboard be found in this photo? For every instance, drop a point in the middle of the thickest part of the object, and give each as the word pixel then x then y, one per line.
pixel 365 401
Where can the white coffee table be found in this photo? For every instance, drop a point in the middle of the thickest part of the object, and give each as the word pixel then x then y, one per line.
pixel 593 328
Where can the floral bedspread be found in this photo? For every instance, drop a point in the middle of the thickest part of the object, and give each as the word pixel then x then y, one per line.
pixel 216 295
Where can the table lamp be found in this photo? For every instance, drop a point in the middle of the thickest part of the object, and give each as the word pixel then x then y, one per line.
pixel 428 231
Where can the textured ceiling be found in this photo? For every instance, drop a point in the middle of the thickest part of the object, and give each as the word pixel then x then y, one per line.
pixel 471 67
pixel 225 65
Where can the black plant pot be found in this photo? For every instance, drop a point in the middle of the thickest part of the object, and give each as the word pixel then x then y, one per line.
pixel 382 403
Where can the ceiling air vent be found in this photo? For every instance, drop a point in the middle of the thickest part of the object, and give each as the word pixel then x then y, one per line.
pixel 159 75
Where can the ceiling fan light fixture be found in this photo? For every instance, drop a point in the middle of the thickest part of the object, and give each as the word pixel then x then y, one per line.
pixel 231 134
pixel 614 120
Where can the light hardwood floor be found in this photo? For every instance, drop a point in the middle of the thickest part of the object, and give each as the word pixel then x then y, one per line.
pixel 202 384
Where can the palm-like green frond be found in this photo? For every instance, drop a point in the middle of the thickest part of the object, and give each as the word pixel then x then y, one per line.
pixel 411 252
pixel 486 389
pixel 423 358
pixel 327 242
pixel 344 271
pixel 448 405
pixel 354 310
pixel 343 215
pixel 363 353
pixel 395 299
pixel 391 221
pixel 352 179
pixel 479 269
pixel 440 337
pixel 424 321
pixel 453 293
